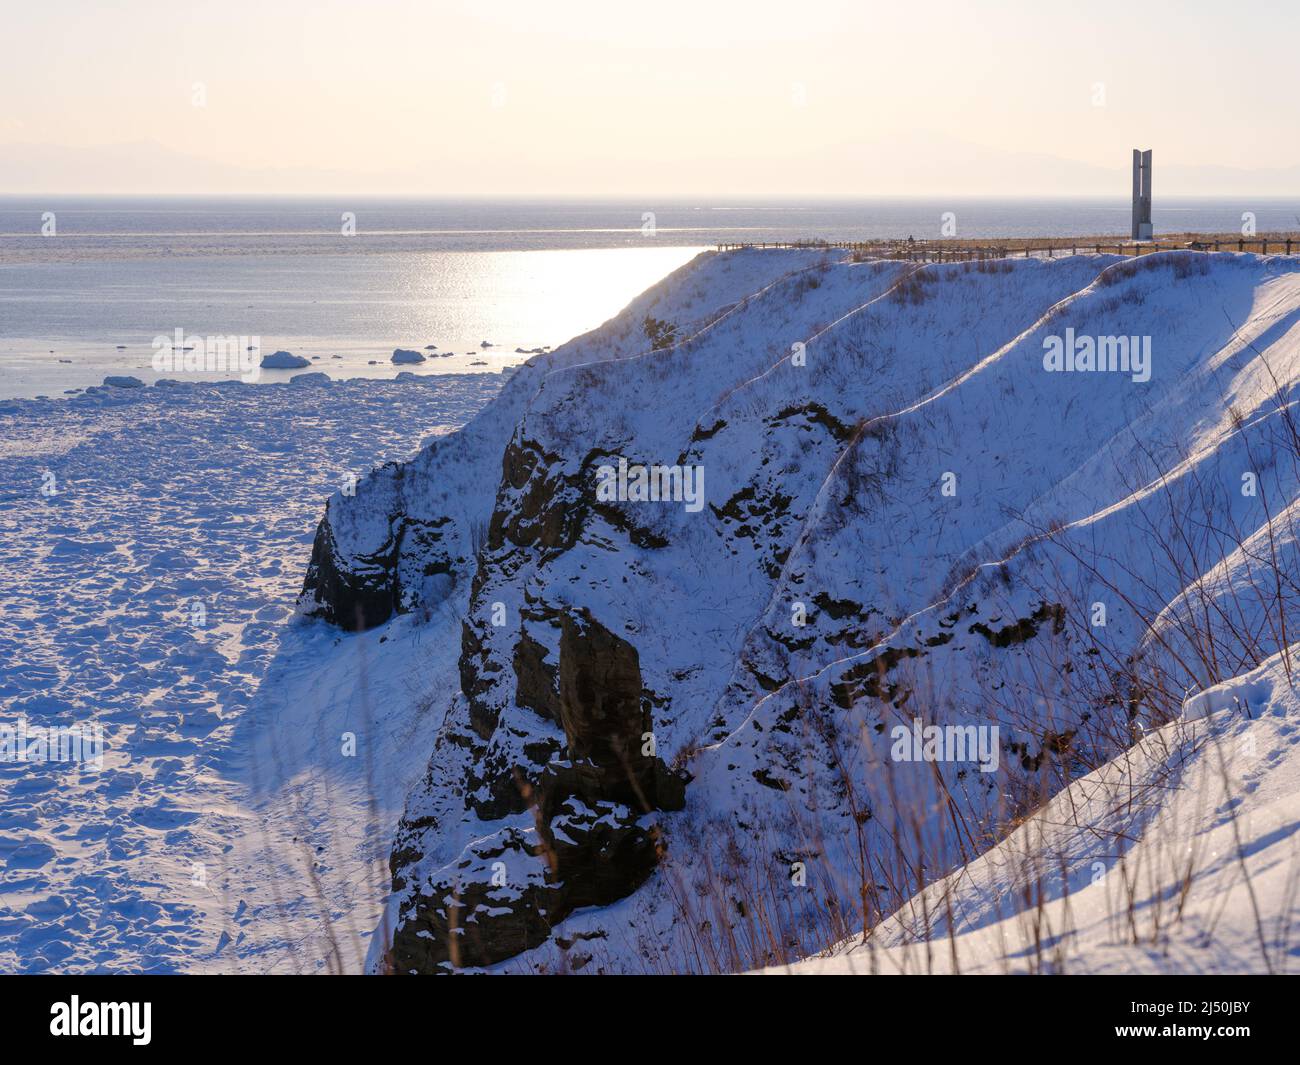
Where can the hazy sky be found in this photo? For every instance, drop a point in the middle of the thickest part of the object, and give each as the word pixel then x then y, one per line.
pixel 675 96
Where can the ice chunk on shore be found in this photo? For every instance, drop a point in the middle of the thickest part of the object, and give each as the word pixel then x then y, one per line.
pixel 123 382
pixel 284 360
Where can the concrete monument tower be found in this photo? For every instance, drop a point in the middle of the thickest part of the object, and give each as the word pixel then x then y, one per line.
pixel 1141 194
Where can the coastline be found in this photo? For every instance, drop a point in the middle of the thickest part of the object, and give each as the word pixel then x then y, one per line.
pixel 465 312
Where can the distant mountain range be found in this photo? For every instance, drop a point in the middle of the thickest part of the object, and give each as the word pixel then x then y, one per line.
pixel 919 164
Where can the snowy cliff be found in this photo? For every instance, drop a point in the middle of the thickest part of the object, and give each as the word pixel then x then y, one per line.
pixel 804 581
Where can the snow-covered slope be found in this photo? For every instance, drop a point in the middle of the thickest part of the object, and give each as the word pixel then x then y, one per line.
pixel 676 740
pixel 1181 855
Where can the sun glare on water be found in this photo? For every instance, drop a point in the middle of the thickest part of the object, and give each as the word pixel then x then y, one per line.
pixel 548 295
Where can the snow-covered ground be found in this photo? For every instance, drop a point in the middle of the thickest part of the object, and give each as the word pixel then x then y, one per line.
pixel 152 544
pixel 1181 855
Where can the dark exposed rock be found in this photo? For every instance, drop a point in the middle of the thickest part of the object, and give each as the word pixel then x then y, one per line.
pixel 1025 628
pixel 870 677
pixel 593 844
pixel 636 534
pixel 701 433
pixel 839 609
pixel 600 695
pixel 355 598
pixel 475 682
pixel 368 590
pixel 816 414
pixel 550 510
pixel 536 688
pixel 769 781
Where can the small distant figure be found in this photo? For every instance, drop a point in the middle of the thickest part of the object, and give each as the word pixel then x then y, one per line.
pixel 911 239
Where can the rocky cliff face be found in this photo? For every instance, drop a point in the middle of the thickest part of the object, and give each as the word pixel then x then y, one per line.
pixel 408 537
pixel 593 839
pixel 684 735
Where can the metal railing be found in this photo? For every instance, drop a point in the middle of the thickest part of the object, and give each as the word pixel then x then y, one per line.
pixel 923 251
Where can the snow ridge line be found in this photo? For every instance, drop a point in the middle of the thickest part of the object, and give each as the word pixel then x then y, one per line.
pixel 734 309
pixel 817 335
pixel 818 506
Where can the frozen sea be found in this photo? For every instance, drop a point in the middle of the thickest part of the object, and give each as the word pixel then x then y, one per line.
pixel 152 544
pixel 86 284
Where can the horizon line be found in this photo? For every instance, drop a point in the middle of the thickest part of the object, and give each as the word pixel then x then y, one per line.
pixel 730 199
